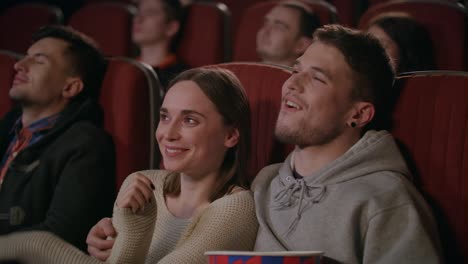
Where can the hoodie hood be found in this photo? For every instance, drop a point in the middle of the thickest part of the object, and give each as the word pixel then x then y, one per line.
pixel 375 152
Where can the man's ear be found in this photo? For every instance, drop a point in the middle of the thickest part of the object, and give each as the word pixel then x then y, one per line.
pixel 73 87
pixel 172 28
pixel 362 114
pixel 232 138
pixel 302 44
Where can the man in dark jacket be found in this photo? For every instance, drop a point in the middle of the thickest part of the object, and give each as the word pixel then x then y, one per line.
pixel 56 162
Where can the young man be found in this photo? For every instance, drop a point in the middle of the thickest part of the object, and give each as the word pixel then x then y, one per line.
pixel 56 162
pixel 156 31
pixel 286 33
pixel 344 190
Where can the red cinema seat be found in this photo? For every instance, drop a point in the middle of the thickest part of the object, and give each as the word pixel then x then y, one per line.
pixel 262 83
pixel 431 122
pixel 130 97
pixel 349 11
pixel 446 22
pixel 120 1
pixel 252 20
pixel 7 73
pixel 19 22
pixel 237 9
pixel 109 24
pixel 206 38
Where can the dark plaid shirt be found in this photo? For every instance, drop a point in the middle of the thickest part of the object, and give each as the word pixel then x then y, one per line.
pixel 24 137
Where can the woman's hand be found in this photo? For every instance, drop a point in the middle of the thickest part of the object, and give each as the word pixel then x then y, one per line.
pixel 136 194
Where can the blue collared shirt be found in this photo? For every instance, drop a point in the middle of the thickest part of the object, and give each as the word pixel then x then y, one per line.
pixel 24 137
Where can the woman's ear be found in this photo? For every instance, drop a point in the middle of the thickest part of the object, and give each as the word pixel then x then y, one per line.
pixel 232 138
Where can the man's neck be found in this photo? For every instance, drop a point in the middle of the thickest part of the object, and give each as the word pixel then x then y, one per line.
pixel 154 54
pixel 33 114
pixel 309 160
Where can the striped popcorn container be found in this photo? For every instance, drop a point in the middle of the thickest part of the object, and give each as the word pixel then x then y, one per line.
pixel 274 257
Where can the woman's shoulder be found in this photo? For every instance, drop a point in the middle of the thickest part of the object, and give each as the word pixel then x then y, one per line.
pixel 238 198
pixel 235 209
pixel 156 176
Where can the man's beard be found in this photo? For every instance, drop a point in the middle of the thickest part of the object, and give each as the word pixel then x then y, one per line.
pixel 306 134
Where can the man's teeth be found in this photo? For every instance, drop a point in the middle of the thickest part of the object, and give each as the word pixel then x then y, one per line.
pixel 291 104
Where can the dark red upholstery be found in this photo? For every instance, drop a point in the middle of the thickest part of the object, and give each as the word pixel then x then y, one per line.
pixel 130 98
pixel 121 1
pixel 237 8
pixel 109 24
pixel 207 37
pixel 19 22
pixel 349 11
pixel 262 84
pixel 252 20
pixel 431 120
pixel 375 2
pixel 446 22
pixel 7 73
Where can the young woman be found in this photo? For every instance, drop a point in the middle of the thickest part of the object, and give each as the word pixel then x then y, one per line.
pixel 199 203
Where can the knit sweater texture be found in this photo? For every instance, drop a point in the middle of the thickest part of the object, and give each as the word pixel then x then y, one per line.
pixel 360 208
pixel 148 236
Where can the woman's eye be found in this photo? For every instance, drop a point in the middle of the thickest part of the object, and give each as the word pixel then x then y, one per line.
pixel 190 121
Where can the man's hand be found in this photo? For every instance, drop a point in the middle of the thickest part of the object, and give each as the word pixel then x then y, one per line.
pixel 99 246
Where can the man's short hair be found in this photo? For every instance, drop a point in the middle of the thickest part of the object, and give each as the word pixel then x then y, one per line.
pixel 373 76
pixel 86 60
pixel 308 21
pixel 172 9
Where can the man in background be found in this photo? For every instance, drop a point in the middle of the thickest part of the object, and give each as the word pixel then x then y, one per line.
pixel 156 31
pixel 286 33
pixel 57 164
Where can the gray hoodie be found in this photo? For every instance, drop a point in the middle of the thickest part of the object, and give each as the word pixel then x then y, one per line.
pixel 360 208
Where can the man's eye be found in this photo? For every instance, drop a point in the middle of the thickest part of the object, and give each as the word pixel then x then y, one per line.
pixel 163 117
pixel 320 80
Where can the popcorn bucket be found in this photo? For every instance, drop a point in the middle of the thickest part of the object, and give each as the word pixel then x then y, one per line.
pixel 273 257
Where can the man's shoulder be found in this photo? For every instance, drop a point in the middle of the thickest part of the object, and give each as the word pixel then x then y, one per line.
pixel 8 120
pixel 86 131
pixel 265 175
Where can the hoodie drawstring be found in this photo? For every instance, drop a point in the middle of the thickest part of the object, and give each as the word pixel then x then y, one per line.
pixel 287 198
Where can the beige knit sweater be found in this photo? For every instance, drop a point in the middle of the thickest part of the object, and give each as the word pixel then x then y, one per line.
pixel 228 223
